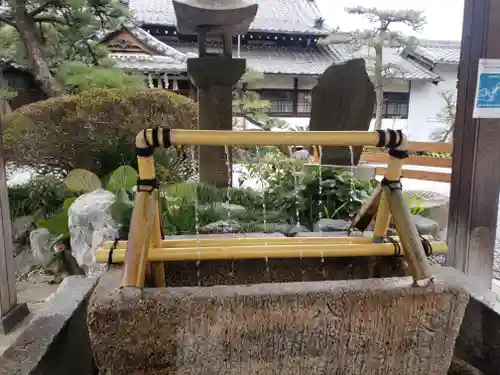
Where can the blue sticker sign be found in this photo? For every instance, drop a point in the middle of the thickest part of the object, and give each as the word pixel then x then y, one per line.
pixel 487 103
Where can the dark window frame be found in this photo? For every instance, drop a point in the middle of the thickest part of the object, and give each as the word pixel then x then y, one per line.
pixel 396 105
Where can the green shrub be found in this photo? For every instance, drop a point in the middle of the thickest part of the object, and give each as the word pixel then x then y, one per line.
pixel 41 196
pixel 76 77
pixel 94 130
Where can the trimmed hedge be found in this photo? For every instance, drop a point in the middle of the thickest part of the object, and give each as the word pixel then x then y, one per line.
pixel 85 130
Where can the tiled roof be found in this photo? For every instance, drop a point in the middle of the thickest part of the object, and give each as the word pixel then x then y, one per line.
pixel 141 62
pixel 402 68
pixel 439 51
pixel 277 60
pixel 149 40
pixel 283 16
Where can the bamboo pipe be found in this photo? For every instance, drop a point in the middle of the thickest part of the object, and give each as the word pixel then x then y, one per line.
pixel 263 252
pixel 394 169
pixel 418 263
pixel 262 138
pixel 262 241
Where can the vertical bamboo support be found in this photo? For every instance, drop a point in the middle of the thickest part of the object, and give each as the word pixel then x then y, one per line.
pixel 408 234
pixel 157 268
pixel 383 218
pixel 145 223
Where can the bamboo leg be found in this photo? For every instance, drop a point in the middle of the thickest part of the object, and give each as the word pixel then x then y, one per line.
pixel 368 210
pixel 394 168
pixel 134 273
pixel 410 239
pixel 157 268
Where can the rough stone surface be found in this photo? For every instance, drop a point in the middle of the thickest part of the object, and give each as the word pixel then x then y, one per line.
pixel 331 225
pixel 460 367
pixel 290 230
pixel 56 340
pixel 343 99
pixel 384 326
pixel 222 226
pixel 40 244
pixel 21 227
pixel 425 225
pixel 90 224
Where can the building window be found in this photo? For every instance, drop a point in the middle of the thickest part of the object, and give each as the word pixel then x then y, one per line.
pixel 396 105
pixel 281 101
pixel 304 99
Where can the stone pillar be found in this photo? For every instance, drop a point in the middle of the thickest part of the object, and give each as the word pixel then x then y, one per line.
pixel 215 77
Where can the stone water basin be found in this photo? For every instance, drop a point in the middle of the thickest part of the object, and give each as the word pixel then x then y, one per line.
pixel 256 321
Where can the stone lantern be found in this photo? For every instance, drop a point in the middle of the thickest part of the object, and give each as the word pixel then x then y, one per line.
pixel 215 74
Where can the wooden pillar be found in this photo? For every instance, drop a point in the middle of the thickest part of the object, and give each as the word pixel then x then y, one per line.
pixel 11 312
pixel 476 152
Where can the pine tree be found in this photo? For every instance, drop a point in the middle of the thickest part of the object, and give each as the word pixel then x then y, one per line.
pixel 371 44
pixel 44 33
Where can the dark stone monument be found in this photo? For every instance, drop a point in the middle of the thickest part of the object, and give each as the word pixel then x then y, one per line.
pixel 342 100
pixel 215 75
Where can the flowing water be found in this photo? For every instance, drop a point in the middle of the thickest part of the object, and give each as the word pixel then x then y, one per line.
pixel 229 182
pixel 320 182
pixel 262 181
pixel 196 174
pixel 297 181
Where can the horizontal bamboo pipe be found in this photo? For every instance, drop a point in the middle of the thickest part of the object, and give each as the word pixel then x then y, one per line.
pixel 260 252
pixel 262 241
pixel 181 137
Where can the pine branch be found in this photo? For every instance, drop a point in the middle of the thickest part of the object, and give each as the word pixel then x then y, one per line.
pixel 45 6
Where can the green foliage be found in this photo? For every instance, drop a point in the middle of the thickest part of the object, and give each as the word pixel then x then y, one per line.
pixel 292 186
pixel 42 196
pixel 447 117
pixel 76 76
pixel 84 130
pixel 123 178
pixel 57 224
pixel 82 181
pixel 66 27
pixel 414 202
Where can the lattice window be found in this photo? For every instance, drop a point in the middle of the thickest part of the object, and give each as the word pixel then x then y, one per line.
pixel 396 105
pixel 281 100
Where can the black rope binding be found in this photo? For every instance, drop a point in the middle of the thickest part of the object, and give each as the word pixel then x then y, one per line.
pixel 152 184
pixel 381 138
pixel 427 246
pixel 397 246
pixel 393 185
pixel 110 253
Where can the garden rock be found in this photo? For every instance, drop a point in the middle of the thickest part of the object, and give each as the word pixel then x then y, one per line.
pixel 224 209
pixel 41 245
pixel 331 225
pixel 90 224
pixel 290 230
pixel 222 226
pixel 21 232
pixel 425 225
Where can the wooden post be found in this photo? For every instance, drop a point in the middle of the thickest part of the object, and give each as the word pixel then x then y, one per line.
pixel 476 171
pixel 11 312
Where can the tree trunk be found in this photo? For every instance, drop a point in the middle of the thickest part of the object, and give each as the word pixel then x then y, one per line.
pixel 379 89
pixel 35 50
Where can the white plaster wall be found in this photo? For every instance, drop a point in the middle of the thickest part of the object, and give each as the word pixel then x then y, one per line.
pixel 426 103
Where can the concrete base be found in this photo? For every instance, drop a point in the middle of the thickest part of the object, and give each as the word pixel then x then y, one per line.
pixel 357 327
pixel 15 316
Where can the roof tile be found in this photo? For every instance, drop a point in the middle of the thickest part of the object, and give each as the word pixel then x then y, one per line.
pixel 287 16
